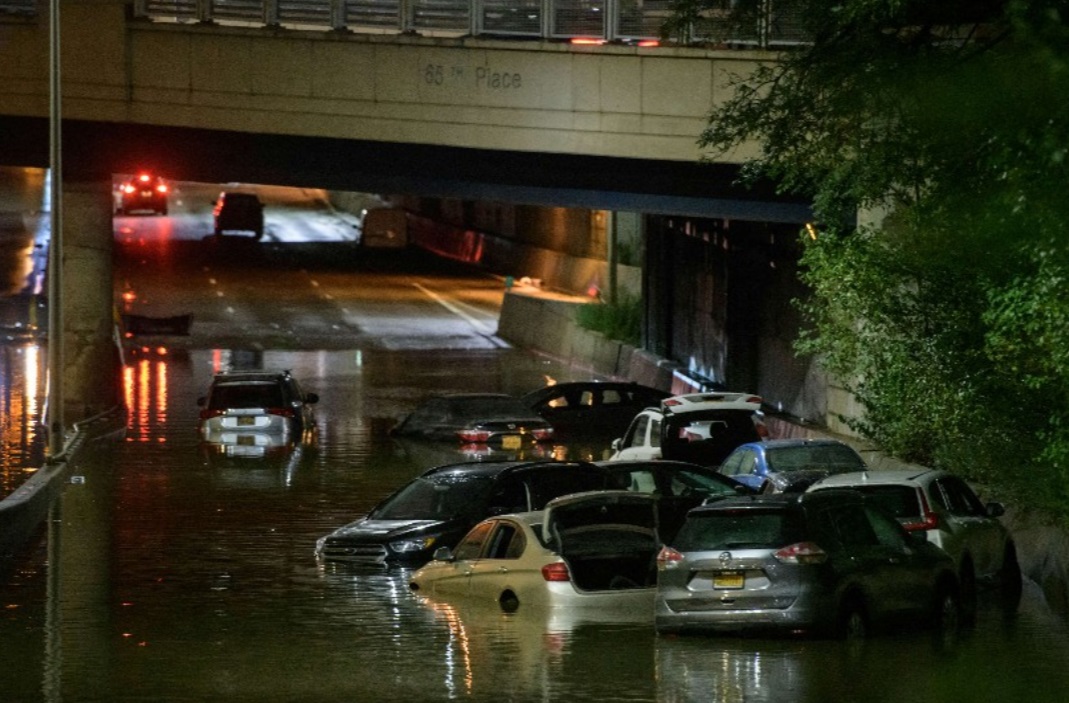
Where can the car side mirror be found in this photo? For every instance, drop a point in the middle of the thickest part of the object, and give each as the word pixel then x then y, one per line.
pixel 616 444
pixel 311 397
pixel 443 554
pixel 995 510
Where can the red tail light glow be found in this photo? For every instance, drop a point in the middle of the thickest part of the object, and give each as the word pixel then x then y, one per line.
pixel 667 558
pixel 557 571
pixel 542 434
pixel 927 520
pixel 474 436
pixel 802 553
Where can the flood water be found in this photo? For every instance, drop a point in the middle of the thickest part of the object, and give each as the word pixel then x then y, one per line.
pixel 165 574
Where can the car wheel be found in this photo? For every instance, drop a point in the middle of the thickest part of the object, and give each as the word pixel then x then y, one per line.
pixel 1010 581
pixel 948 608
pixel 948 616
pixel 509 602
pixel 853 623
pixel 967 589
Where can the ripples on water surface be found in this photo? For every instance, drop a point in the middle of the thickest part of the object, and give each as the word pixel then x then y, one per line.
pixel 170 574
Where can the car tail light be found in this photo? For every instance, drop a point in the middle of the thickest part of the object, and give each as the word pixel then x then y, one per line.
pixel 542 434
pixel 667 558
pixel 144 177
pixel 161 187
pixel 557 571
pixel 281 412
pixel 128 188
pixel 801 553
pixel 927 520
pixel 474 436
pixel 209 414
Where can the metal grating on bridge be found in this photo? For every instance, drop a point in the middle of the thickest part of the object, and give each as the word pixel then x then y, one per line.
pixel 767 24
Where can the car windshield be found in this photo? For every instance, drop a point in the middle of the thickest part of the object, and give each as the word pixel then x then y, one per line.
pixel 837 457
pixel 683 482
pixel 246 395
pixel 436 498
pixel 738 529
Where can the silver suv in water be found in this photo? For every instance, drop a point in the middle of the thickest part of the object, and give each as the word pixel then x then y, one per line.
pixel 827 562
pixel 943 507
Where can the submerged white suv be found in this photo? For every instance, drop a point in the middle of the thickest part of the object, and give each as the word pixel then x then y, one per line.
pixel 702 428
pixel 948 511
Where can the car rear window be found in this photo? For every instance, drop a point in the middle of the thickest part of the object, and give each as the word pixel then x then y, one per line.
pixel 899 501
pixel 833 456
pixel 246 395
pixel 747 528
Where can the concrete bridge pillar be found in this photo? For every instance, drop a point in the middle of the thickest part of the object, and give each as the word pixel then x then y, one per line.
pixel 91 369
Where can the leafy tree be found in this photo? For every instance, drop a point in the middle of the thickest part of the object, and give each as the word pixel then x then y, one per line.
pixel 949 317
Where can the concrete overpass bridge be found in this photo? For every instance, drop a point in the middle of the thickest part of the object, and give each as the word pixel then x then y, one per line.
pixel 261 96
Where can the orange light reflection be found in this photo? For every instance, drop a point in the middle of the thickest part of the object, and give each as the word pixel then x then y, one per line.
pixel 145 392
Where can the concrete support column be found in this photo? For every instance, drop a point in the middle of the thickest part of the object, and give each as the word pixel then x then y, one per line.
pixel 91 358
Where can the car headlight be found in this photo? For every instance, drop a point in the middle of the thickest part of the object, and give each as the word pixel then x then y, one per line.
pixel 414 544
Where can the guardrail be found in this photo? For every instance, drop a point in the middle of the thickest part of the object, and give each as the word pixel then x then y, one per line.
pixel 617 21
pixel 22 512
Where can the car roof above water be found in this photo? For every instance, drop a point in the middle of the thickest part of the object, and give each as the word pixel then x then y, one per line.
pixel 781 500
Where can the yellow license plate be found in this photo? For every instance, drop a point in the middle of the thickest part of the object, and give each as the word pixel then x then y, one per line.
pixel 246 420
pixel 511 441
pixel 247 440
pixel 728 579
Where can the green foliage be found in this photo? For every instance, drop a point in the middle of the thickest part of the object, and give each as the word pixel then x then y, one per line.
pixel 621 320
pixel 950 319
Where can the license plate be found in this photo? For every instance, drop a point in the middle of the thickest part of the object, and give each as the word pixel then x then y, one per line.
pixel 728 579
pixel 247 420
pixel 511 441
pixel 247 440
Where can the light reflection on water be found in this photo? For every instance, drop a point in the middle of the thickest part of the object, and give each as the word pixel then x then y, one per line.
pixel 22 445
pixel 180 575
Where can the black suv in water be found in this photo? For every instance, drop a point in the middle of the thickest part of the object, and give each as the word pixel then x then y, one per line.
pixel 438 508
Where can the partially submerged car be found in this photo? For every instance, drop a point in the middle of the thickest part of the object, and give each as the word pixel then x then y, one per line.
pixel 702 428
pixel 790 465
pixel 491 419
pixel 590 550
pixel 438 508
pixel 943 507
pixel 592 408
pixel 826 562
pixel 241 405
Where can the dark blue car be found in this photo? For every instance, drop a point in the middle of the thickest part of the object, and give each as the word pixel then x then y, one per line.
pixel 789 465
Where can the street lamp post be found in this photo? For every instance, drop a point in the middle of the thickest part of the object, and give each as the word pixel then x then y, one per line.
pixel 55 420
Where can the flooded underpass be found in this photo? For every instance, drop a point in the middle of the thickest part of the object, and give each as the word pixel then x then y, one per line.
pixel 168 573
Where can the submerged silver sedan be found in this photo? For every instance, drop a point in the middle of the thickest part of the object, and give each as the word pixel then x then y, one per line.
pixel 593 550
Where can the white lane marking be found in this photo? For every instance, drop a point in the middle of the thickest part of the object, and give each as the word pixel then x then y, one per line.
pixel 453 308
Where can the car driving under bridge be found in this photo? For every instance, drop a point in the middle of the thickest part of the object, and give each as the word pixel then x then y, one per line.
pixel 442 98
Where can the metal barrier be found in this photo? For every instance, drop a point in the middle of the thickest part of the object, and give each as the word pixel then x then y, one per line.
pixel 621 21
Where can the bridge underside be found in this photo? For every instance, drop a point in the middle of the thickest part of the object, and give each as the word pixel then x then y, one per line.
pixel 95 150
